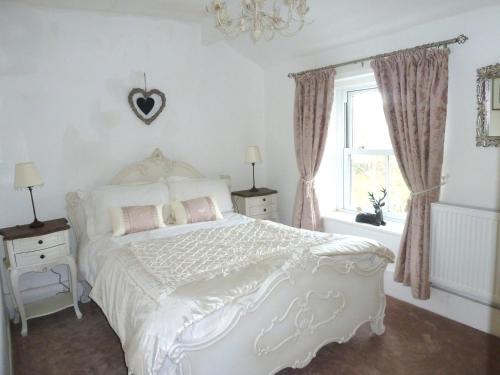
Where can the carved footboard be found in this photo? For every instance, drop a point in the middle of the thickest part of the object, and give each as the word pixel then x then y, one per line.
pixel 295 313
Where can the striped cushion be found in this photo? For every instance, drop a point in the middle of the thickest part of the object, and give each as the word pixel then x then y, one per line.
pixel 133 219
pixel 195 210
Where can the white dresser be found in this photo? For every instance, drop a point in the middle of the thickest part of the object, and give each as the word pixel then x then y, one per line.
pixel 38 250
pixel 262 204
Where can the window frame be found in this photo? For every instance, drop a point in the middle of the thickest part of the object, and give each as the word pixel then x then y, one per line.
pixel 344 153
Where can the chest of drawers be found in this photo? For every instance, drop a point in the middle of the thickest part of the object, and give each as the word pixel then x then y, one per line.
pixel 38 250
pixel 262 204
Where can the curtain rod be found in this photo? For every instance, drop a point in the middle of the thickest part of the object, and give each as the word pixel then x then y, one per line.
pixel 461 39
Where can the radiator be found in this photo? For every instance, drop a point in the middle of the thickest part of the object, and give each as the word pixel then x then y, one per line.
pixel 465 252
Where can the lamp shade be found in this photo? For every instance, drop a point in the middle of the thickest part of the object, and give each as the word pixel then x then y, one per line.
pixel 253 155
pixel 27 175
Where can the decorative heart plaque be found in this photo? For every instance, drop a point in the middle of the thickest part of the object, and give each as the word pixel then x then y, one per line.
pixel 147 105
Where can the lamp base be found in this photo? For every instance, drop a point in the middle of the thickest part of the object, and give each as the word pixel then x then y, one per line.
pixel 254 190
pixel 37 224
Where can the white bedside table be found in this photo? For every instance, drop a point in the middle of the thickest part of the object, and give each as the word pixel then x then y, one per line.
pixel 38 250
pixel 262 204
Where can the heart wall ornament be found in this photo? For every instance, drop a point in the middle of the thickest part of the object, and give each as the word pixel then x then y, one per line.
pixel 147 105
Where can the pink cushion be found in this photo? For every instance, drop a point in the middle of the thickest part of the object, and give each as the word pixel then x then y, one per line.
pixel 133 219
pixel 195 210
pixel 199 209
pixel 140 218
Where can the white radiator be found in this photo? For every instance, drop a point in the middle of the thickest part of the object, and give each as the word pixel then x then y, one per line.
pixel 465 252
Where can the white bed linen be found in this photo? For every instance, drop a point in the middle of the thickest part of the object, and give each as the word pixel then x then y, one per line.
pixel 147 322
pixel 149 325
pixel 92 253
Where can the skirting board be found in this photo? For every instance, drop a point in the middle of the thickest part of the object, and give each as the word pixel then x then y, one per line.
pixel 471 313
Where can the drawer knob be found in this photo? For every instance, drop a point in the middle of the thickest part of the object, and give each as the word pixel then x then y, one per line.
pixel 263 199
pixel 265 209
pixel 42 256
pixel 40 242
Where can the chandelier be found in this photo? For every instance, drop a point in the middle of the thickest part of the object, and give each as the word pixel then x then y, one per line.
pixel 286 17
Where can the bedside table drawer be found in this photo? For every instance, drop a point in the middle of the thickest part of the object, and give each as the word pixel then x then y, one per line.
pixel 39 242
pixel 262 210
pixel 266 216
pixel 41 256
pixel 261 201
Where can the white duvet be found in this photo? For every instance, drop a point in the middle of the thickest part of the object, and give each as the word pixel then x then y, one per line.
pixel 92 253
pixel 153 296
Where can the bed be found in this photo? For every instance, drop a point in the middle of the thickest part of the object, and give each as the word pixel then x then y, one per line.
pixel 235 295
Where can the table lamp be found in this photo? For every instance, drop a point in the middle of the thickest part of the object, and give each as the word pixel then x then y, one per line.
pixel 253 156
pixel 27 176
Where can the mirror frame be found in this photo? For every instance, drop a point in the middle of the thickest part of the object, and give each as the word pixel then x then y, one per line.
pixel 485 76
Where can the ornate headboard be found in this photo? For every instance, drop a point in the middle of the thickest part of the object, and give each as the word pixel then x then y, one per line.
pixel 153 169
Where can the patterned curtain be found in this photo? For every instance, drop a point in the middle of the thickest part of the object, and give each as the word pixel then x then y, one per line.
pixel 414 88
pixel 313 106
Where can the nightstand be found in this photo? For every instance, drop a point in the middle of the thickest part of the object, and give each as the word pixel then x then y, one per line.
pixel 38 250
pixel 262 204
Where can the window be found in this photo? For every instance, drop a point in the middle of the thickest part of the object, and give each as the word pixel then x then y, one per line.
pixel 368 161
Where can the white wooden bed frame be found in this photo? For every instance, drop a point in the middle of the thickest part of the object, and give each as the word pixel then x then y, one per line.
pixel 294 313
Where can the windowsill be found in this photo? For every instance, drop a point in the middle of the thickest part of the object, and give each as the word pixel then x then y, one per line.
pixel 392 227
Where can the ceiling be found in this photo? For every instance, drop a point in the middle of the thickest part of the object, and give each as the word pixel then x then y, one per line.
pixel 185 10
pixel 334 22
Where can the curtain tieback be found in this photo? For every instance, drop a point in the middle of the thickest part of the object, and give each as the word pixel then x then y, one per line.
pixel 309 184
pixel 444 180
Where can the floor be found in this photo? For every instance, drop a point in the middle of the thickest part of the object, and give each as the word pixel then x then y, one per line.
pixel 415 342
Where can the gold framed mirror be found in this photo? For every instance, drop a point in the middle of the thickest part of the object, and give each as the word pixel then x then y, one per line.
pixel 488 106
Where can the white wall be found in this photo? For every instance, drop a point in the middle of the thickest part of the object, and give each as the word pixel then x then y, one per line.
pixel 65 77
pixel 474 172
pixel 5 349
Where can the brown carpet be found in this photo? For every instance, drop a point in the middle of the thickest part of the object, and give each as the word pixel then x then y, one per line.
pixel 415 342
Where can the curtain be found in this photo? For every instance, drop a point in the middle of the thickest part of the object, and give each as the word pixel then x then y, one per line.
pixel 313 106
pixel 414 88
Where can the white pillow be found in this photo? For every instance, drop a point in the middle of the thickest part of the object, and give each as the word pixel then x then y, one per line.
pixel 202 187
pixel 106 197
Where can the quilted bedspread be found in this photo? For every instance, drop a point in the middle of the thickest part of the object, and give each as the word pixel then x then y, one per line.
pixel 153 290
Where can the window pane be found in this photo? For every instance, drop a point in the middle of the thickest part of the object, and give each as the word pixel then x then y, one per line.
pixel 369 129
pixel 397 191
pixel 368 175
